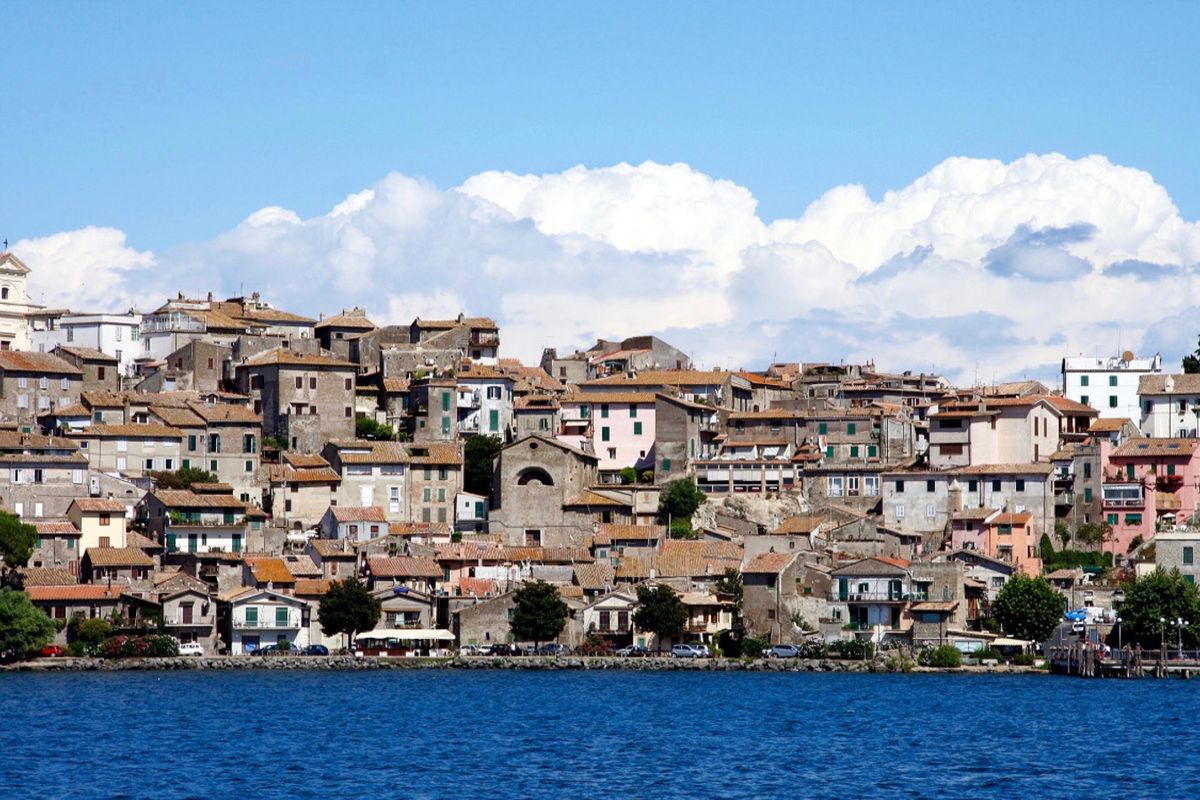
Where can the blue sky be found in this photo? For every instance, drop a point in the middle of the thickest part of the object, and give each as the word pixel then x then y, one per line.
pixel 982 187
pixel 174 121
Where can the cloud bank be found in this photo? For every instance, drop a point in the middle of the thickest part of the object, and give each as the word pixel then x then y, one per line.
pixel 979 269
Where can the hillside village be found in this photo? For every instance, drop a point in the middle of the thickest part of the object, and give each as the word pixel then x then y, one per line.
pixel 849 502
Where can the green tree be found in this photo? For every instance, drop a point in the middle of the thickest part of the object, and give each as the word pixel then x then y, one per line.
pixel 628 475
pixel 539 614
pixel 660 611
pixel 23 627
pixel 91 631
pixel 1150 600
pixel 1191 362
pixel 182 478
pixel 349 608
pixel 680 500
pixel 367 428
pixel 730 583
pixel 17 543
pixel 1028 608
pixel 479 453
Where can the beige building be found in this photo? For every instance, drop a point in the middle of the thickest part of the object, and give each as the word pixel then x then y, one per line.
pixel 131 449
pixel 36 384
pixel 373 474
pixel 100 522
pixel 300 490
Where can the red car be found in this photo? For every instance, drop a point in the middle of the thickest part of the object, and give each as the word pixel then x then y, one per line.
pixel 51 651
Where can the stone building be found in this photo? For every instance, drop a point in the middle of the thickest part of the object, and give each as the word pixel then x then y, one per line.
pixel 35 384
pixel 100 370
pixel 304 399
pixel 768 595
pixel 335 333
pixel 535 480
pixel 130 449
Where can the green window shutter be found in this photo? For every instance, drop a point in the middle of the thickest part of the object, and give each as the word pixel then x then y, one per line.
pixel 1129 470
pixel 251 614
pixel 443 474
pixel 854 451
pixel 192 442
pixel 187 462
pixel 478 509
pixel 632 410
pixel 1083 380
pixel 829 451
pixel 1087 494
pixel 637 429
pixel 823 428
pixel 445 401
pixel 441 495
pixel 1170 469
pixel 604 434
pixel 493 420
pixel 666 465
pixel 1112 380
pixel 446 424
pixel 228 517
pixel 426 516
pixel 441 515
pixel 604 411
pixel 237 543
pixel 1112 519
pixel 281 617
pixel 872 451
pixel 212 466
pixel 851 428
pixel 170 543
pixel 1188 555
pixel 429 473
pixel 692 442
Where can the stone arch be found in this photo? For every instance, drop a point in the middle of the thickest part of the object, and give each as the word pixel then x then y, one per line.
pixel 535 476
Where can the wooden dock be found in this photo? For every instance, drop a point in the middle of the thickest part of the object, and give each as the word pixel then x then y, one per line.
pixel 1089 661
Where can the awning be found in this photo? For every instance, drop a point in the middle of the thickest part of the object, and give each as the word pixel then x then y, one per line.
pixel 1011 642
pixel 406 634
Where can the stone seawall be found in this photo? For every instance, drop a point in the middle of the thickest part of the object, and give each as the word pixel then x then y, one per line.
pixel 508 662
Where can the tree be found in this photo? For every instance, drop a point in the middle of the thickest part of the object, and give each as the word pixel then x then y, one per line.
pixel 539 614
pixel 17 543
pixel 660 612
pixel 730 583
pixel 479 453
pixel 680 500
pixel 1157 597
pixel 349 608
pixel 1191 363
pixel 367 428
pixel 182 478
pixel 628 475
pixel 1028 608
pixel 91 631
pixel 23 627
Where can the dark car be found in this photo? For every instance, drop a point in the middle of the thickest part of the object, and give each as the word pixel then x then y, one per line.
pixel 633 651
pixel 274 650
pixel 316 650
pixel 784 651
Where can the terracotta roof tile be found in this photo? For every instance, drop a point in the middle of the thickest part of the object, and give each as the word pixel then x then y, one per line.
pixel 46 576
pixel 118 557
pixel 80 591
pixel 404 567
pixel 768 563
pixel 99 505
pixel 312 587
pixel 270 570
pixel 41 363
pixel 358 514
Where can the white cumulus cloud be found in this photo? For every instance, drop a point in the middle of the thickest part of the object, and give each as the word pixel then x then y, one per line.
pixel 979 268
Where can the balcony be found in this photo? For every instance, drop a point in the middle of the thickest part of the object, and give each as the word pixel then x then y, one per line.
pixel 484 339
pixel 1064 499
pixel 267 624
pixel 878 597
pixel 468 400
pixel 1123 495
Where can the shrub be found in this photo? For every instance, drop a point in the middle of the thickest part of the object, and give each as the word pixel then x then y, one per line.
pixel 753 647
pixel 852 648
pixel 628 475
pixel 123 646
pixel 1024 659
pixel 77 649
pixel 730 645
pixel 946 656
pixel 595 646
pixel 812 649
pixel 988 652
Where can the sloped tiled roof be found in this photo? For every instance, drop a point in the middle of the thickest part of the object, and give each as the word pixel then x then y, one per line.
pixel 281 356
pixel 1145 446
pixel 184 498
pixel 768 563
pixel 59 527
pixel 131 431
pixel 404 567
pixel 270 570
pixel 76 592
pixel 607 534
pixel 332 548
pixel 118 557
pixel 40 363
pixel 99 505
pixel 312 587
pixel 46 576
pixel 594 576
pixel 358 514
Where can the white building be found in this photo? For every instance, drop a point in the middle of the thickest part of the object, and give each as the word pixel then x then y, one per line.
pixel 1109 385
pixel 1170 405
pixel 485 402
pixel 14 303
pixel 470 512
pixel 116 335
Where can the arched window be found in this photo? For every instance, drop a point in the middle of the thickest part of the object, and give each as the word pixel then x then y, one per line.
pixel 4 293
pixel 535 476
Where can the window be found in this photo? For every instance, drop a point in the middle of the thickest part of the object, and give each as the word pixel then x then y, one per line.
pixel 851 428
pixel 604 411
pixel 312 382
pixel 249 466
pixel 1087 469
pixel 427 494
pixel 1133 519
pixel 349 412
pixel 299 382
pixel 871 485
pixel 1112 519
pixel 823 428
pixel 632 410
pixel 854 451
pixel 445 423
pixel 150 463
pixel 65 384
pixel 1083 399
pixel 249 443
pixel 1083 380
pixel 899 511
pixel 1020 485
pixel 214 443
pixel 829 451
pixel 995 486
pixel 348 384
pixel 900 487
pixel 666 465
pixel 930 510
pixel 604 434
pixel 1112 380
pixel 1188 555
pixel 929 486
pixel 1087 494
pixel 493 393
pixel 872 451
pixel 441 495
pixel 43 382
pixel 445 401
pixel 212 465
pixel 835 485
pixel 1112 401
pixel 443 473
pixel 1129 471
pixel 637 429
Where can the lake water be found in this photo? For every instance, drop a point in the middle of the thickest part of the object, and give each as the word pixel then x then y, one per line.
pixel 515 734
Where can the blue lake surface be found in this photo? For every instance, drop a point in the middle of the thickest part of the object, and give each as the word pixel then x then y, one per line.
pixel 593 734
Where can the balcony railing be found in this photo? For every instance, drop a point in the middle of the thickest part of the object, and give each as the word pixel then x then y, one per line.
pixel 877 597
pixel 262 624
pixel 1124 502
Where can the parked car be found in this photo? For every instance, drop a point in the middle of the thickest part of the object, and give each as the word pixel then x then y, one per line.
pixel 784 651
pixel 684 651
pixel 274 650
pixel 633 651
pixel 51 651
pixel 703 650
pixel 554 649
pixel 191 649
pixel 316 650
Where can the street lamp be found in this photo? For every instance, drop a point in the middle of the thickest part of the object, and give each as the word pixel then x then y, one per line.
pixel 1162 638
pixel 1117 619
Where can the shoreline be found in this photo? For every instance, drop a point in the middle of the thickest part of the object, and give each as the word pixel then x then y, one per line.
pixel 536 663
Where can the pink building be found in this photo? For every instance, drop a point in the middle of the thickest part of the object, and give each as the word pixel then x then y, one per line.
pixel 618 425
pixel 1012 538
pixel 1146 482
